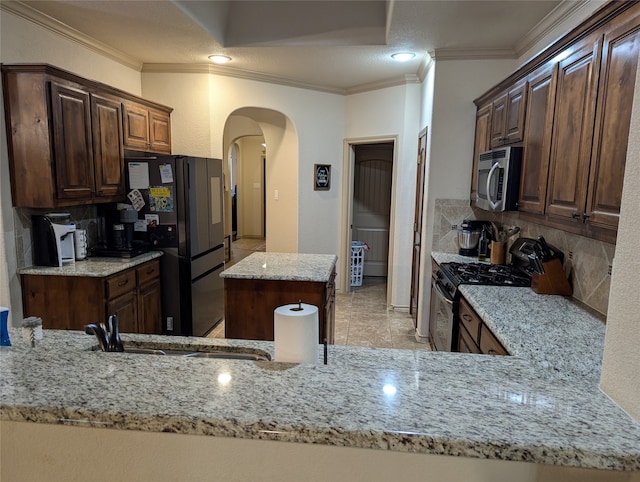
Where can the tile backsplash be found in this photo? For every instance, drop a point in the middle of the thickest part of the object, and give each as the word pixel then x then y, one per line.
pixel 84 217
pixel 587 261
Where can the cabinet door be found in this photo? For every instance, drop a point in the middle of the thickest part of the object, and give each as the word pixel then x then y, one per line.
pixel 149 308
pixel 73 151
pixel 160 131
pixel 515 110
pixel 482 143
pixel 136 126
pixel 108 151
pixel 541 92
pixel 498 120
pixel 126 309
pixel 615 98
pixel 573 130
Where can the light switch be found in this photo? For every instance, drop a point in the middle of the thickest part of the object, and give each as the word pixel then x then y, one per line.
pixel 276 195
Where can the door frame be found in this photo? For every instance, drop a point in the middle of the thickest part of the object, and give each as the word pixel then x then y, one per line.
pixel 348 169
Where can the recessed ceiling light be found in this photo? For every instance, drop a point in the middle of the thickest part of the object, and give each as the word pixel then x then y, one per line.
pixel 403 56
pixel 219 59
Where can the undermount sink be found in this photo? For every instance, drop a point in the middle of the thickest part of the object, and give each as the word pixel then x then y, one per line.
pixel 220 354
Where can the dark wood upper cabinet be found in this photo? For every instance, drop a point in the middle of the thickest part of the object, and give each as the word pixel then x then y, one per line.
pixel 576 107
pixel 573 130
pixel 482 143
pixel 541 92
pixel 65 136
pixel 507 116
pixel 72 144
pixel 108 149
pixel 618 69
pixel 146 129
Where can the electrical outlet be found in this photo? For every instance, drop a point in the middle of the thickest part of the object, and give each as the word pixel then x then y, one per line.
pixel 169 323
pixel 570 254
pixel 610 270
pixel 454 227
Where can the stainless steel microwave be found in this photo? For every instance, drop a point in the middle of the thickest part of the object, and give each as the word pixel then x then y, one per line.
pixel 499 179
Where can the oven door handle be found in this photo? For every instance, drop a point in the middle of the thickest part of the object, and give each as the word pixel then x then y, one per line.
pixel 442 294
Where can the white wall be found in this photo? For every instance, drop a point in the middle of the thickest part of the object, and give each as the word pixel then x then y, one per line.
pixel 250 186
pixel 453 86
pixel 69 454
pixel 393 112
pixel 306 221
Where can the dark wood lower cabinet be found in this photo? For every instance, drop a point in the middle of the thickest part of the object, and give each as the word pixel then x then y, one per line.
pixel 474 336
pixel 71 302
pixel 249 305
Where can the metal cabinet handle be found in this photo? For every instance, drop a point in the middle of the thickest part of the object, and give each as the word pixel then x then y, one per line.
pixel 575 216
pixel 466 317
pixel 122 283
pixel 491 351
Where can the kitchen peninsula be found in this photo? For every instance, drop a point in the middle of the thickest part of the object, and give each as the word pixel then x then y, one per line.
pixel 255 286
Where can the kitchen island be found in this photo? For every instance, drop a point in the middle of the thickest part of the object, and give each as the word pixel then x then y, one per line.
pixel 258 284
pixel 369 414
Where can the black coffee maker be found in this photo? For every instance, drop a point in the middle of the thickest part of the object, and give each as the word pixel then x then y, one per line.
pixel 116 228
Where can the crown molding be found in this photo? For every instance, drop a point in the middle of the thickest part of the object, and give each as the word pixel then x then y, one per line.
pixel 272 79
pixel 472 54
pixel 26 12
pixel 563 10
pixel 383 84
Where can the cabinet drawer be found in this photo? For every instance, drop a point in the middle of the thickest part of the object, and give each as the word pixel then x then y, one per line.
pixel 489 344
pixel 470 320
pixel 148 271
pixel 465 343
pixel 121 283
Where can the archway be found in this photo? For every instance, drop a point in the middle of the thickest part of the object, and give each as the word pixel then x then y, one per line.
pixel 280 178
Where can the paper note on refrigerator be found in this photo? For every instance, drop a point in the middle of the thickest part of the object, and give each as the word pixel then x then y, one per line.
pixel 166 173
pixel 138 175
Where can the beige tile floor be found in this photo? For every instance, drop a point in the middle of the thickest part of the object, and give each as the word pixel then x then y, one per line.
pixel 362 317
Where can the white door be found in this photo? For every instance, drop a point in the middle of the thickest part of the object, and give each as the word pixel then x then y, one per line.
pixel 372 204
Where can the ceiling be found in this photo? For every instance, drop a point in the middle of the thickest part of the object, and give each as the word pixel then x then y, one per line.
pixel 338 46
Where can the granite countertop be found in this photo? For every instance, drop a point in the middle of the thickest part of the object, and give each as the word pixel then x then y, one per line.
pixel 284 267
pixel 95 267
pixel 536 406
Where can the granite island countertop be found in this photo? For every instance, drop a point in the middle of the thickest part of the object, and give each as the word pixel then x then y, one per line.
pixel 531 407
pixel 94 267
pixel 284 267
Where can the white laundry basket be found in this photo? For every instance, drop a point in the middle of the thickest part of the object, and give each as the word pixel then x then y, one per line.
pixel 357 262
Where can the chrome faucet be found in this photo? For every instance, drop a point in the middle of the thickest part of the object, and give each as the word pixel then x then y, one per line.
pixel 108 335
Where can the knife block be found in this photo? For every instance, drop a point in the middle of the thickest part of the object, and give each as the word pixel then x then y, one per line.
pixel 553 281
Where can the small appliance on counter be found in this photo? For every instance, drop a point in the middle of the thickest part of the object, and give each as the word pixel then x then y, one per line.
pixel 469 236
pixel 53 239
pixel 116 233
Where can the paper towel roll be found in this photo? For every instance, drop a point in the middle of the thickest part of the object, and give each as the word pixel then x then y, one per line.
pixel 296 333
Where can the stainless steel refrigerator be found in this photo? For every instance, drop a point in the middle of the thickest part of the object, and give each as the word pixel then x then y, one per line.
pixel 183 217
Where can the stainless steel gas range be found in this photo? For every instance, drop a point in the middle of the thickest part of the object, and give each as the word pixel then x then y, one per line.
pixel 445 296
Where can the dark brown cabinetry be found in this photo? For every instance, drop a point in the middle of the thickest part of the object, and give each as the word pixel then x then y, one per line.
pixel 482 143
pixel 474 336
pixel 71 302
pixel 65 136
pixel 507 116
pixel 249 305
pixel 618 68
pixel 541 92
pixel 573 130
pixel 578 97
pixel 146 128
